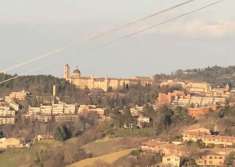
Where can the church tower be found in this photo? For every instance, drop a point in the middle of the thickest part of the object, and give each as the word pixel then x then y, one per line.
pixel 67 72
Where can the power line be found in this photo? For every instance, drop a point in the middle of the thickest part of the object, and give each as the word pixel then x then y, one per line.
pixel 53 52
pixel 143 19
pixel 126 36
pixel 10 79
pixel 35 59
pixel 165 22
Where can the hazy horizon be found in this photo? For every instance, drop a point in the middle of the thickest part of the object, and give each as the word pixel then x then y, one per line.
pixel 31 28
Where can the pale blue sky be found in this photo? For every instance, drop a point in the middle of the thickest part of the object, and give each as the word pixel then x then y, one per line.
pixel 29 28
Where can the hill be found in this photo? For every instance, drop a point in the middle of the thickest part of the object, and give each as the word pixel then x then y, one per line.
pixel 41 85
pixel 108 158
pixel 214 75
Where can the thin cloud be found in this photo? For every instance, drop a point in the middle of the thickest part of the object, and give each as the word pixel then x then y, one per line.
pixel 203 29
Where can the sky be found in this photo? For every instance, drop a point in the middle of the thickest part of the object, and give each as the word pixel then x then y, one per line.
pixel 30 28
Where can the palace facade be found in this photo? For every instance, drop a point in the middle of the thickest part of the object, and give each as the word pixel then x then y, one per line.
pixel 105 83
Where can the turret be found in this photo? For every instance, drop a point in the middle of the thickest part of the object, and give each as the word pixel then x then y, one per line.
pixel 67 72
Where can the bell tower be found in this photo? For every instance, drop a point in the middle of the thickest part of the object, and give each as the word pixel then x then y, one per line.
pixel 67 72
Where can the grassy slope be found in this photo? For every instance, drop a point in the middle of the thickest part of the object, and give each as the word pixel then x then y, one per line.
pixel 109 145
pixel 108 158
pixel 108 150
pixel 21 157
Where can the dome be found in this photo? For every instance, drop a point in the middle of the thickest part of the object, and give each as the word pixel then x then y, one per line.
pixel 77 71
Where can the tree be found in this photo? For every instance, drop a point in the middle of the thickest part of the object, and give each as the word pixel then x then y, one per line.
pixel 188 162
pixel 62 133
pixel 166 116
pixel 230 159
pixel 1 134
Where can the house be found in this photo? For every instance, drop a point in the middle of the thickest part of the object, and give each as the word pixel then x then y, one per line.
pixel 168 98
pixel 199 131
pixel 164 148
pixel 201 88
pixel 172 83
pixel 34 110
pixel 7 115
pixel 7 120
pixel 136 110
pixel 199 111
pixel 20 95
pixel 5 111
pixel 10 143
pixel 44 137
pixel 210 158
pixel 225 141
pixel 65 118
pixel 85 109
pixel 171 160
pixel 143 121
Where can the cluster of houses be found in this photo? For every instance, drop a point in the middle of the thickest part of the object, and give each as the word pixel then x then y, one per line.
pixel 198 98
pixel 62 112
pixel 56 111
pixel 216 149
pixel 9 106
pixel 138 113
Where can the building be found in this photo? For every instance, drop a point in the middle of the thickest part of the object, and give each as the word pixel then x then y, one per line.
pixel 201 88
pixel 65 118
pixel 200 111
pixel 172 83
pixel 143 121
pixel 137 110
pixel 210 158
pixel 7 115
pixel 57 112
pixel 5 111
pixel 171 160
pixel 34 110
pixel 168 98
pixel 7 120
pixel 199 101
pixel 199 131
pixel 105 83
pixel 6 143
pixel 54 109
pixel 44 137
pixel 164 148
pixel 85 109
pixel 207 139
pixel 14 106
pixel 21 95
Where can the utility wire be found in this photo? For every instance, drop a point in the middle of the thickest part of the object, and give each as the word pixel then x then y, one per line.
pixel 126 36
pixel 143 19
pixel 59 50
pixel 133 34
pixel 7 80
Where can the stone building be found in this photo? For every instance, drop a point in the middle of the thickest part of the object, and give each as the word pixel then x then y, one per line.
pixel 58 112
pixel 7 115
pixel 210 158
pixel 10 143
pixel 171 160
pixel 225 141
pixel 20 95
pixel 104 83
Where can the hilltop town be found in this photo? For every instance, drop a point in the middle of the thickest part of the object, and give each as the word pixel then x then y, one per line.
pixel 141 121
